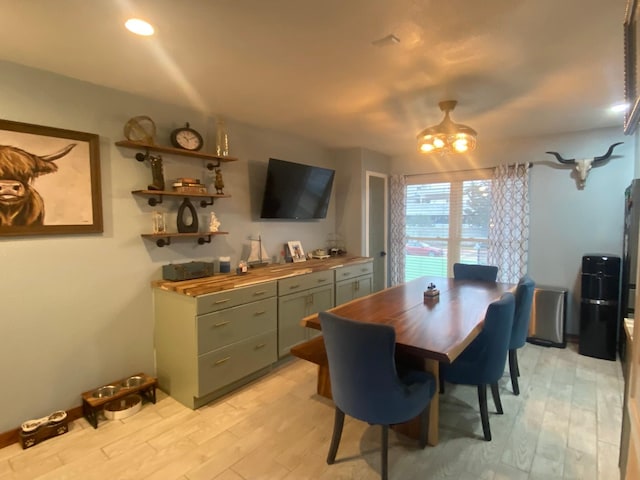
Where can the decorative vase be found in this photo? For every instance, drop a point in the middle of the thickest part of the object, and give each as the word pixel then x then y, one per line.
pixel 158 222
pixel 187 217
pixel 222 140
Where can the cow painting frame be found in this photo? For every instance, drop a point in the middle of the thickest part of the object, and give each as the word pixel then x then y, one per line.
pixel 631 63
pixel 49 181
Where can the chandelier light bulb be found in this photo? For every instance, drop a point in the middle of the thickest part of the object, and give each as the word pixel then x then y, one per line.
pixel 447 136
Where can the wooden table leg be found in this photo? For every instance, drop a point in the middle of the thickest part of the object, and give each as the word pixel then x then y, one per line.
pixel 412 427
pixel 324 382
pixel 433 367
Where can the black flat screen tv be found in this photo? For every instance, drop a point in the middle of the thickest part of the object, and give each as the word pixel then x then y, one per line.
pixel 296 191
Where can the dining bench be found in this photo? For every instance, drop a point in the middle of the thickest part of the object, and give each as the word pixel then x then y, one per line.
pixel 314 351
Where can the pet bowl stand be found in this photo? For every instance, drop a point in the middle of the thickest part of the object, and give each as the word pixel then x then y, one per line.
pixel 43 432
pixel 92 405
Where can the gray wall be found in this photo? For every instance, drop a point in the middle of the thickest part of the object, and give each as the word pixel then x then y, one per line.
pixel 565 222
pixel 77 309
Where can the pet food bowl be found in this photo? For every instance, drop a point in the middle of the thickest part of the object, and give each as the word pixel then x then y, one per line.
pixel 106 391
pixel 123 408
pixel 134 381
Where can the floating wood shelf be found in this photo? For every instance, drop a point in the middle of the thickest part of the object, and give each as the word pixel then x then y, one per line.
pixel 163 239
pixel 156 196
pixel 214 160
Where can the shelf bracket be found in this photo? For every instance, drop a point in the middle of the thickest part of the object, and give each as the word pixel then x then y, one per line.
pixel 212 165
pixel 205 203
pixel 202 240
pixel 161 242
pixel 155 201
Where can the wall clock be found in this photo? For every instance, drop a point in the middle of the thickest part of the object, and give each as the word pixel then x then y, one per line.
pixel 186 138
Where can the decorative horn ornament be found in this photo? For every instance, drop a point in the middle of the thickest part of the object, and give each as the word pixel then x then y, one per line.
pixel 583 166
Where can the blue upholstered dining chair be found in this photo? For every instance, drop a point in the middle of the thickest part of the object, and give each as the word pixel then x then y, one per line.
pixel 465 271
pixel 365 383
pixel 524 300
pixel 482 362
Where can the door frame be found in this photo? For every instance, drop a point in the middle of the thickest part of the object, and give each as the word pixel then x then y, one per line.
pixel 367 253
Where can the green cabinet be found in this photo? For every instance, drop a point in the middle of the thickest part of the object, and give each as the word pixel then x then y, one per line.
pixel 208 345
pixel 298 298
pixel 353 282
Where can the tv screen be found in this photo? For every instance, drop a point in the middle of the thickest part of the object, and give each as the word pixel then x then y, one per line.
pixel 296 191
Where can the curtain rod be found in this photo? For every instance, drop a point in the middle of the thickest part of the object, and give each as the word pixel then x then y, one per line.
pixel 527 164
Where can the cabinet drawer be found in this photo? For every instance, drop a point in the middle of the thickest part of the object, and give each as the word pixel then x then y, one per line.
pixel 221 328
pixel 304 282
pixel 226 365
pixel 237 296
pixel 351 271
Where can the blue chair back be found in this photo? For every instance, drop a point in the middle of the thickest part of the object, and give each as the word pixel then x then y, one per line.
pixel 483 361
pixel 496 335
pixel 465 271
pixel 364 379
pixel 524 300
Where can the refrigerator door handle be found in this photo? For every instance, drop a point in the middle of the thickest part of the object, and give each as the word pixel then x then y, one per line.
pixel 605 303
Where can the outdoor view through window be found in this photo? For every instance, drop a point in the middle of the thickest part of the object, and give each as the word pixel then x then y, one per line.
pixel 447 222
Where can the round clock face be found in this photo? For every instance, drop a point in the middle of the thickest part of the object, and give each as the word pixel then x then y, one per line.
pixel 186 138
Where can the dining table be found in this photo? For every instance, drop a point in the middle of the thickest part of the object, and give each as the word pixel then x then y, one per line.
pixel 429 329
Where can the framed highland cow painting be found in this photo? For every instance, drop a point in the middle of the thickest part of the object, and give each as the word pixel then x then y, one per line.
pixel 49 180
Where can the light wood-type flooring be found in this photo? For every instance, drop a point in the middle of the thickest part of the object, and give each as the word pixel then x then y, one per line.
pixel 564 425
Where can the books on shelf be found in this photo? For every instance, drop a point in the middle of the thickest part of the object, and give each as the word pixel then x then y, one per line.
pixel 189 185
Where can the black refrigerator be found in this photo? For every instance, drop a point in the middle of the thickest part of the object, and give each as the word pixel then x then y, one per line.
pixel 599 306
pixel 629 256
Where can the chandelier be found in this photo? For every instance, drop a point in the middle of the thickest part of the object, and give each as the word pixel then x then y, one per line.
pixel 447 136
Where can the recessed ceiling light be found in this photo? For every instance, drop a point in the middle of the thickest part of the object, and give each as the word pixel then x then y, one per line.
pixel 139 27
pixel 619 107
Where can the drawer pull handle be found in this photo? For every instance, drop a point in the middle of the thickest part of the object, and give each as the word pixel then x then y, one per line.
pixel 346 274
pixel 221 324
pixel 222 360
pixel 260 292
pixel 218 302
pixel 364 270
pixel 320 280
pixel 261 312
pixel 260 345
pixel 294 286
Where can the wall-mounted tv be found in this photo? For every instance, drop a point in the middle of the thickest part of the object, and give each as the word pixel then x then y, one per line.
pixel 296 191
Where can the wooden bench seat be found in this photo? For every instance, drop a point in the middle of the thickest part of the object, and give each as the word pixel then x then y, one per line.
pixel 313 351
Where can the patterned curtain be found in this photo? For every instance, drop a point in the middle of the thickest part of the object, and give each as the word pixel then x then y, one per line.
pixel 509 222
pixel 397 228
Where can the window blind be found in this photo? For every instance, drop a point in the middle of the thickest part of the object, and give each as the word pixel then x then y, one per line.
pixel 447 221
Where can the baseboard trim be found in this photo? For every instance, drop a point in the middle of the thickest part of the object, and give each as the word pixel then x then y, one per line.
pixel 12 436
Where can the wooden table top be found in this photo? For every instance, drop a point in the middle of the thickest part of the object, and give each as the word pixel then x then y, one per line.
pixel 437 328
pixel 227 281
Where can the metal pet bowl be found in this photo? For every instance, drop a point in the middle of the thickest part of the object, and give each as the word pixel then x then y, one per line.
pixel 106 391
pixel 134 381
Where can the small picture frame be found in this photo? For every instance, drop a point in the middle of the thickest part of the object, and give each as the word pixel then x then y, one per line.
pixel 296 251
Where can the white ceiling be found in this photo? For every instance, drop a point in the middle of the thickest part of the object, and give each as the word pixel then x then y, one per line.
pixel 516 67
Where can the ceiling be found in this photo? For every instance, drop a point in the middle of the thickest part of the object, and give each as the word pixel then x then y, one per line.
pixel 517 67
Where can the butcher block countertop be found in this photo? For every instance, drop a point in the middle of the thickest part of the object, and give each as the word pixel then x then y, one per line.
pixel 227 281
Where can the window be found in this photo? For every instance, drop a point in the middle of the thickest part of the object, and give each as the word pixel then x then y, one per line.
pixel 447 222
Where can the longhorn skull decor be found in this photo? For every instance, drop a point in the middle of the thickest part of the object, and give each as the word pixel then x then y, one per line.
pixel 583 166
